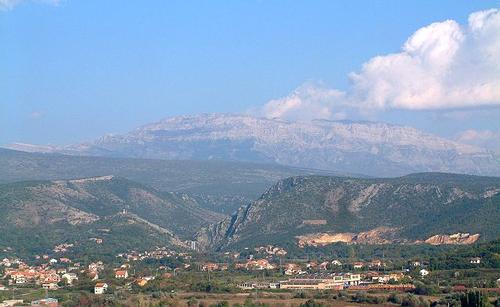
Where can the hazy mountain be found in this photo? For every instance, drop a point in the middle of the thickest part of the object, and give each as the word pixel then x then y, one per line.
pixel 370 148
pixel 39 214
pixel 222 186
pixel 318 210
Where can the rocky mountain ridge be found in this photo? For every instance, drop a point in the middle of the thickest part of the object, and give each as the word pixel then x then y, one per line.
pixel 371 148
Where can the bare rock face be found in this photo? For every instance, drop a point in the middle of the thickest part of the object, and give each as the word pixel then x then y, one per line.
pixel 370 148
pixel 322 239
pixel 380 235
pixel 457 238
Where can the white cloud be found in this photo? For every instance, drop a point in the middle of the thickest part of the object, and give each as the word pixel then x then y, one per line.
pixel 441 66
pixel 6 5
pixel 308 101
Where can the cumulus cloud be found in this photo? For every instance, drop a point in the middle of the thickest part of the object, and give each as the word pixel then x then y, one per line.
pixel 6 5
pixel 444 65
pixel 308 101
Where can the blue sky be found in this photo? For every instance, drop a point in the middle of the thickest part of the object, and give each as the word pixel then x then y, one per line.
pixel 74 70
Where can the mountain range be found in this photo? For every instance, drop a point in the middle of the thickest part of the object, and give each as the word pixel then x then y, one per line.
pixel 371 148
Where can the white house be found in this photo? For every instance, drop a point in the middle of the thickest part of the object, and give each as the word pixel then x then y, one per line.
pixel 121 274
pixel 100 288
pixel 336 262
pixel 50 286
pixel 424 272
pixel 70 277
pixel 358 265
pixel 475 260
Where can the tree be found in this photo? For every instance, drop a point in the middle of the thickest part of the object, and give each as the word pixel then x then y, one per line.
pixel 474 299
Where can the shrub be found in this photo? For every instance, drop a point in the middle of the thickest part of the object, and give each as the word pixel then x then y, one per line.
pixel 311 303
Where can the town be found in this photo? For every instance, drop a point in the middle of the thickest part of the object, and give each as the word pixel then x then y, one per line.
pixel 54 278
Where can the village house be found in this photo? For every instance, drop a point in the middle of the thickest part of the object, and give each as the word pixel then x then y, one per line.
pixel 312 265
pixel 423 272
pixel 351 279
pixel 96 266
pixel 100 288
pixel 292 269
pixel 383 279
pixel 475 260
pixel 336 263
pixel 50 286
pixel 323 265
pixel 376 264
pixel 61 271
pixel 20 280
pixel 260 264
pixel 210 266
pixel 72 268
pixel 70 277
pixel 121 274
pixel 50 277
pixel 358 265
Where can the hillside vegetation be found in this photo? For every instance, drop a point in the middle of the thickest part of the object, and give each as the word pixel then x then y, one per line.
pixel 318 210
pixel 37 215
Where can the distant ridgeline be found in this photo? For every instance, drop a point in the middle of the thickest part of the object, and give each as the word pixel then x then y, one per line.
pixel 222 186
pixel 432 208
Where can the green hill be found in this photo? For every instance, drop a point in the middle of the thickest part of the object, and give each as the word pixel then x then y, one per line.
pixel 37 215
pixel 353 210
